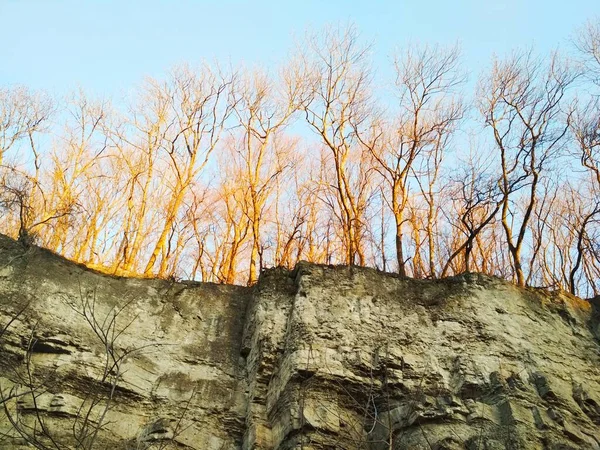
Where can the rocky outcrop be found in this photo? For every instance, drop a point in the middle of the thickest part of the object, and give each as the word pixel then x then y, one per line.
pixel 316 358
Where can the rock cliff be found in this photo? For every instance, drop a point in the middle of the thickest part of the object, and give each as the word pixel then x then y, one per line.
pixel 315 358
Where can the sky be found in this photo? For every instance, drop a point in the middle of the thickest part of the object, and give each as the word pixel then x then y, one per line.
pixel 108 46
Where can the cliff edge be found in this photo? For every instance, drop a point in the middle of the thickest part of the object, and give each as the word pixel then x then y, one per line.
pixel 315 358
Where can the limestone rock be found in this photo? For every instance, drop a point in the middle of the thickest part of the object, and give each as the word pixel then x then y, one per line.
pixel 316 358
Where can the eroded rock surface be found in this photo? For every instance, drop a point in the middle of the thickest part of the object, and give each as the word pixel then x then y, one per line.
pixel 317 358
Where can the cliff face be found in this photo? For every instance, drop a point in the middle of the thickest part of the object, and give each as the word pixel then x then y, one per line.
pixel 317 358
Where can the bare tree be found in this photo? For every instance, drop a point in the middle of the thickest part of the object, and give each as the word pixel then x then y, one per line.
pixel 23 114
pixel 338 110
pixel 30 383
pixel 425 81
pixel 587 42
pixel 521 101
pixel 74 167
pixel 136 140
pixel 262 110
pixel 586 129
pixel 195 117
pixel 476 198
pixel 132 189
pixel 231 229
pixel 17 199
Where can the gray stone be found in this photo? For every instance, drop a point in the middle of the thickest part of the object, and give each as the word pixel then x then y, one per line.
pixel 315 358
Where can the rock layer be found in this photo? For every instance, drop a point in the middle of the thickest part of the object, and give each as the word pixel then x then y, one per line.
pixel 316 358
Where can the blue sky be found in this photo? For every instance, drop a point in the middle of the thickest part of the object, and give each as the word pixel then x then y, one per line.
pixel 108 46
